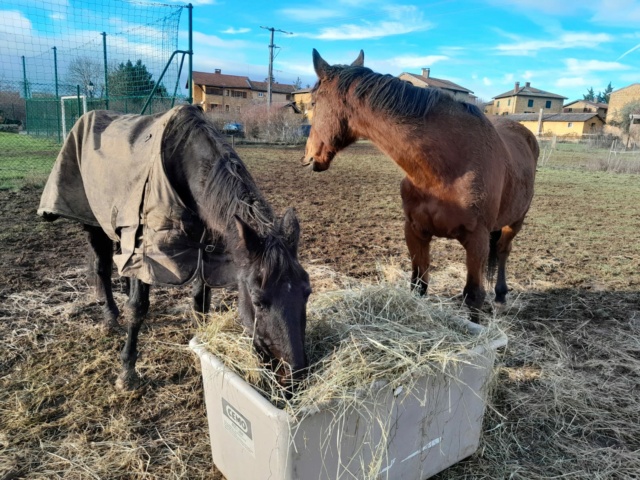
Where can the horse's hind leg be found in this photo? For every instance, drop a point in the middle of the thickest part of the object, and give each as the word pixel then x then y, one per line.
pixel 100 268
pixel 137 307
pixel 201 295
pixel 503 251
pixel 420 259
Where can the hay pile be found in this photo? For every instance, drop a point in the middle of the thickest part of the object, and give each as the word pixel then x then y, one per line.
pixel 358 338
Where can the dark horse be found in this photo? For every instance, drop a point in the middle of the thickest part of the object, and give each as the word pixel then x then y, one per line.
pixel 467 177
pixel 217 208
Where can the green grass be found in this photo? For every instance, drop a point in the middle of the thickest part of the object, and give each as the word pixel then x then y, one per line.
pixel 25 159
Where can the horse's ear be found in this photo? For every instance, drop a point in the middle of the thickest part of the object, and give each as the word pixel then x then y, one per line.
pixel 291 229
pixel 250 241
pixel 359 62
pixel 319 64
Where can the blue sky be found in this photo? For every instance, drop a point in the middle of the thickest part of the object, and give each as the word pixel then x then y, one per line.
pixel 564 47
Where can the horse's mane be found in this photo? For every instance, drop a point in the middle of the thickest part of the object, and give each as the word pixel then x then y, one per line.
pixel 228 188
pixel 394 96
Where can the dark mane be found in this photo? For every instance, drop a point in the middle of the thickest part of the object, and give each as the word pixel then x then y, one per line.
pixel 394 96
pixel 228 188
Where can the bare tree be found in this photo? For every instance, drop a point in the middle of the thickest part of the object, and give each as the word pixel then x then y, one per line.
pixel 85 71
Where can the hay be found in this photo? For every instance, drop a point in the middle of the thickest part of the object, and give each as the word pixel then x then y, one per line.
pixel 358 339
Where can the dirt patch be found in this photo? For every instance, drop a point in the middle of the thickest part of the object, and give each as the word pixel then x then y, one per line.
pixel 569 391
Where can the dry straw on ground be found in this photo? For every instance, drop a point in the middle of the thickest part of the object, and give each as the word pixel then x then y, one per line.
pixel 357 337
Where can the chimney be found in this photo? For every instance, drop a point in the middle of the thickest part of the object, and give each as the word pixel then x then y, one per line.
pixel 527 84
pixel 217 70
pixel 425 72
pixel 516 87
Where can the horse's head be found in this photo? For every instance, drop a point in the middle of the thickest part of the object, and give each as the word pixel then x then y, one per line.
pixel 330 131
pixel 273 289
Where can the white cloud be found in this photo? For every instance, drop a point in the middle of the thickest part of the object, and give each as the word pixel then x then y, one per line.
pixel 235 31
pixel 487 82
pixel 581 67
pixel 401 20
pixel 629 51
pixel 617 12
pixel 215 41
pixel 528 75
pixel 571 82
pixel 564 41
pixel 14 23
pixel 414 61
pixel 508 77
pixel 310 15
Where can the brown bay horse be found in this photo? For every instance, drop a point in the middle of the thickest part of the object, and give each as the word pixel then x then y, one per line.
pixel 468 177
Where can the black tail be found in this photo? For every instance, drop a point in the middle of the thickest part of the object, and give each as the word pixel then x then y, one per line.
pixel 492 264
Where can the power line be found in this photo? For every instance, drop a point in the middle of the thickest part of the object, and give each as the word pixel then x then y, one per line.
pixel 271 47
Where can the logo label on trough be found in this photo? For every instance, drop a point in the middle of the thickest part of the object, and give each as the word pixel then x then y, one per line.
pixel 237 425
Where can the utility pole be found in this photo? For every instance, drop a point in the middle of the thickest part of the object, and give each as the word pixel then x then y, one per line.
pixel 271 47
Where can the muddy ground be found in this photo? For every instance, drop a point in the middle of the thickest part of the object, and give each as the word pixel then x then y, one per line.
pixel 574 317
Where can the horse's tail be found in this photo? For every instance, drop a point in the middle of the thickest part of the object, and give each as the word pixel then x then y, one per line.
pixel 492 263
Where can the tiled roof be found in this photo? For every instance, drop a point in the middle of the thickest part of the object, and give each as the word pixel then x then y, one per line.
pixel 220 80
pixel 589 102
pixel 528 92
pixel 223 80
pixel 553 117
pixel 439 83
pixel 275 87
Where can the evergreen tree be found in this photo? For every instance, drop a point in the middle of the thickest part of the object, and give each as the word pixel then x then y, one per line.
pixel 590 95
pixel 603 97
pixel 133 80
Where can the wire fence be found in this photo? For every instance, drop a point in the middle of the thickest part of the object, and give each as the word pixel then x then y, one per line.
pixel 59 60
pixel 590 152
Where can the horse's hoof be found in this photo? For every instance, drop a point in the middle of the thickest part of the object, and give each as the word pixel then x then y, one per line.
pixel 111 327
pixel 128 381
pixel 499 307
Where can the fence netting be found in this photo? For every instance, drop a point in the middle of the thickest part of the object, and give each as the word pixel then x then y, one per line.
pixel 61 59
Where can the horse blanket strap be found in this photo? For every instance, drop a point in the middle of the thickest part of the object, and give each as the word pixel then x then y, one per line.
pixel 110 173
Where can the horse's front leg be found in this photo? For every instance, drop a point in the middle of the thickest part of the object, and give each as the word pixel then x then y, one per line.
pixel 476 245
pixel 100 268
pixel 137 307
pixel 418 246
pixel 201 295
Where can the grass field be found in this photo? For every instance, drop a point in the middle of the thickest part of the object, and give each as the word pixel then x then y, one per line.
pixel 24 157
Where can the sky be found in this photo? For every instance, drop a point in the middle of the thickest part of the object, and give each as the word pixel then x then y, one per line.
pixel 563 47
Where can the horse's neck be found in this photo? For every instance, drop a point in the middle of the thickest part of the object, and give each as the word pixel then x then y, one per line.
pixel 229 190
pixel 400 142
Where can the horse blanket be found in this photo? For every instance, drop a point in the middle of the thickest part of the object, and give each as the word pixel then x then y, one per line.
pixel 110 173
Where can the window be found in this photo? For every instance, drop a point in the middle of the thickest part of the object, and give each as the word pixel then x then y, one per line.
pixel 530 103
pixel 498 104
pixel 547 104
pixel 238 94
pixel 213 91
pixel 570 125
pixel 508 102
pixel 226 108
pixel 260 94
pixel 214 106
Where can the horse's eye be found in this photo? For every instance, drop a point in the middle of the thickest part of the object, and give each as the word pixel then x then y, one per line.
pixel 260 304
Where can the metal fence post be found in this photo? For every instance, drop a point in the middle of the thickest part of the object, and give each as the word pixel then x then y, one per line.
pixel 55 72
pixel 106 74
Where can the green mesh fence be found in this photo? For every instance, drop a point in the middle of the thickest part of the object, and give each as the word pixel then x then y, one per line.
pixel 61 59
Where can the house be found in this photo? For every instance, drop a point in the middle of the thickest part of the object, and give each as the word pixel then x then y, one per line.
pixel 230 93
pixel 302 100
pixel 619 98
pixel 426 80
pixel 584 106
pixel 526 100
pixel 561 124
